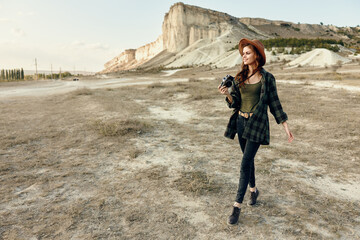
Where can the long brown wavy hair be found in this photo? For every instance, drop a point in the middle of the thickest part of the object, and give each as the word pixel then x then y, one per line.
pixel 242 76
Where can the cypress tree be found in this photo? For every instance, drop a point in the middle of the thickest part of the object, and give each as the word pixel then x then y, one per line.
pixel 2 77
pixel 7 74
pixel 22 76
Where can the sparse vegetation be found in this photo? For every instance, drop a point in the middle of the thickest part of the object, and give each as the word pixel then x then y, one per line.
pixel 156 85
pixel 128 127
pixel 83 165
pixel 287 25
pixel 82 91
pixel 299 46
pixel 151 70
pixel 302 45
pixel 197 182
pixel 9 75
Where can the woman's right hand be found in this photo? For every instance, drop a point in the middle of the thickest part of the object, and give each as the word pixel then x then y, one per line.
pixel 223 90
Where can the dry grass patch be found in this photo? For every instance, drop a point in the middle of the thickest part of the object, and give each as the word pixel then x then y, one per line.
pixel 197 182
pixel 154 173
pixel 156 85
pixel 203 90
pixel 121 128
pixel 82 91
pixel 134 152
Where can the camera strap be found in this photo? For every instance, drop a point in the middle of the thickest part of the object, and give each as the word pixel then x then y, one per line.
pixel 249 76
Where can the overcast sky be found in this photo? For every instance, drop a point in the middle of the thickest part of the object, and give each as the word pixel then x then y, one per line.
pixel 84 34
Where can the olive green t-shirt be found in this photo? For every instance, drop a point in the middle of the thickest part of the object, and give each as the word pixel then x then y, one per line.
pixel 250 96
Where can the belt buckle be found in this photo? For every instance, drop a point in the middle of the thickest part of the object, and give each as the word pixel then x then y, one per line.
pixel 245 115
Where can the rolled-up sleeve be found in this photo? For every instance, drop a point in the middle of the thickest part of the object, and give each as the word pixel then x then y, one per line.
pixel 235 100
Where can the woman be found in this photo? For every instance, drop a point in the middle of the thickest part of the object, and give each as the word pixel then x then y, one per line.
pixel 253 90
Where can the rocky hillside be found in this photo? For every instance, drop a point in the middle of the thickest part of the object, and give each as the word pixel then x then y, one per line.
pixel 193 36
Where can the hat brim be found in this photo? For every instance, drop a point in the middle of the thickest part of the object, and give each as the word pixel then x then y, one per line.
pixel 257 44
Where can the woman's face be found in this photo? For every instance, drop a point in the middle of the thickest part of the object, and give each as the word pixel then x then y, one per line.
pixel 249 56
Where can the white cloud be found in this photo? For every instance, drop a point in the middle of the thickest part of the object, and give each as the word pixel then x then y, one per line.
pixel 77 44
pixel 4 20
pixel 27 14
pixel 17 32
pixel 81 45
pixel 97 46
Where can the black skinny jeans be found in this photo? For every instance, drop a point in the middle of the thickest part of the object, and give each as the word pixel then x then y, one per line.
pixel 247 170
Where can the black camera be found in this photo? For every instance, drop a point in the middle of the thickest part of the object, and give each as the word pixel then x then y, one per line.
pixel 227 81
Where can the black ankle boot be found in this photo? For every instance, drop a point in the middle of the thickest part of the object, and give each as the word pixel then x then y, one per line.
pixel 253 197
pixel 234 217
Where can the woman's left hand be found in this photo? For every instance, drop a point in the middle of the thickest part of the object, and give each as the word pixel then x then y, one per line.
pixel 288 132
pixel 290 136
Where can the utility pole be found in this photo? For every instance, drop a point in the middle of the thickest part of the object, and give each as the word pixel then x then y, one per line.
pixel 36 73
pixel 51 73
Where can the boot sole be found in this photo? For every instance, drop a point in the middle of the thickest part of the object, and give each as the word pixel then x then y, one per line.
pixel 232 224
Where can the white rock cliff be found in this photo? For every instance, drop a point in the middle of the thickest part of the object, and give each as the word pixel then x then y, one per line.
pixel 194 36
pixel 183 26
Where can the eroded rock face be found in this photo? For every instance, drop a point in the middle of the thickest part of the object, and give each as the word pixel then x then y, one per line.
pixel 196 36
pixel 149 50
pixel 124 58
pixel 132 58
pixel 182 26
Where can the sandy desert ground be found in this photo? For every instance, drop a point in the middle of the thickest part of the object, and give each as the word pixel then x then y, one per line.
pixel 142 156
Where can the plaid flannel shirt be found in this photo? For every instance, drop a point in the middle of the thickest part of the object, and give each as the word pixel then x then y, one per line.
pixel 257 128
